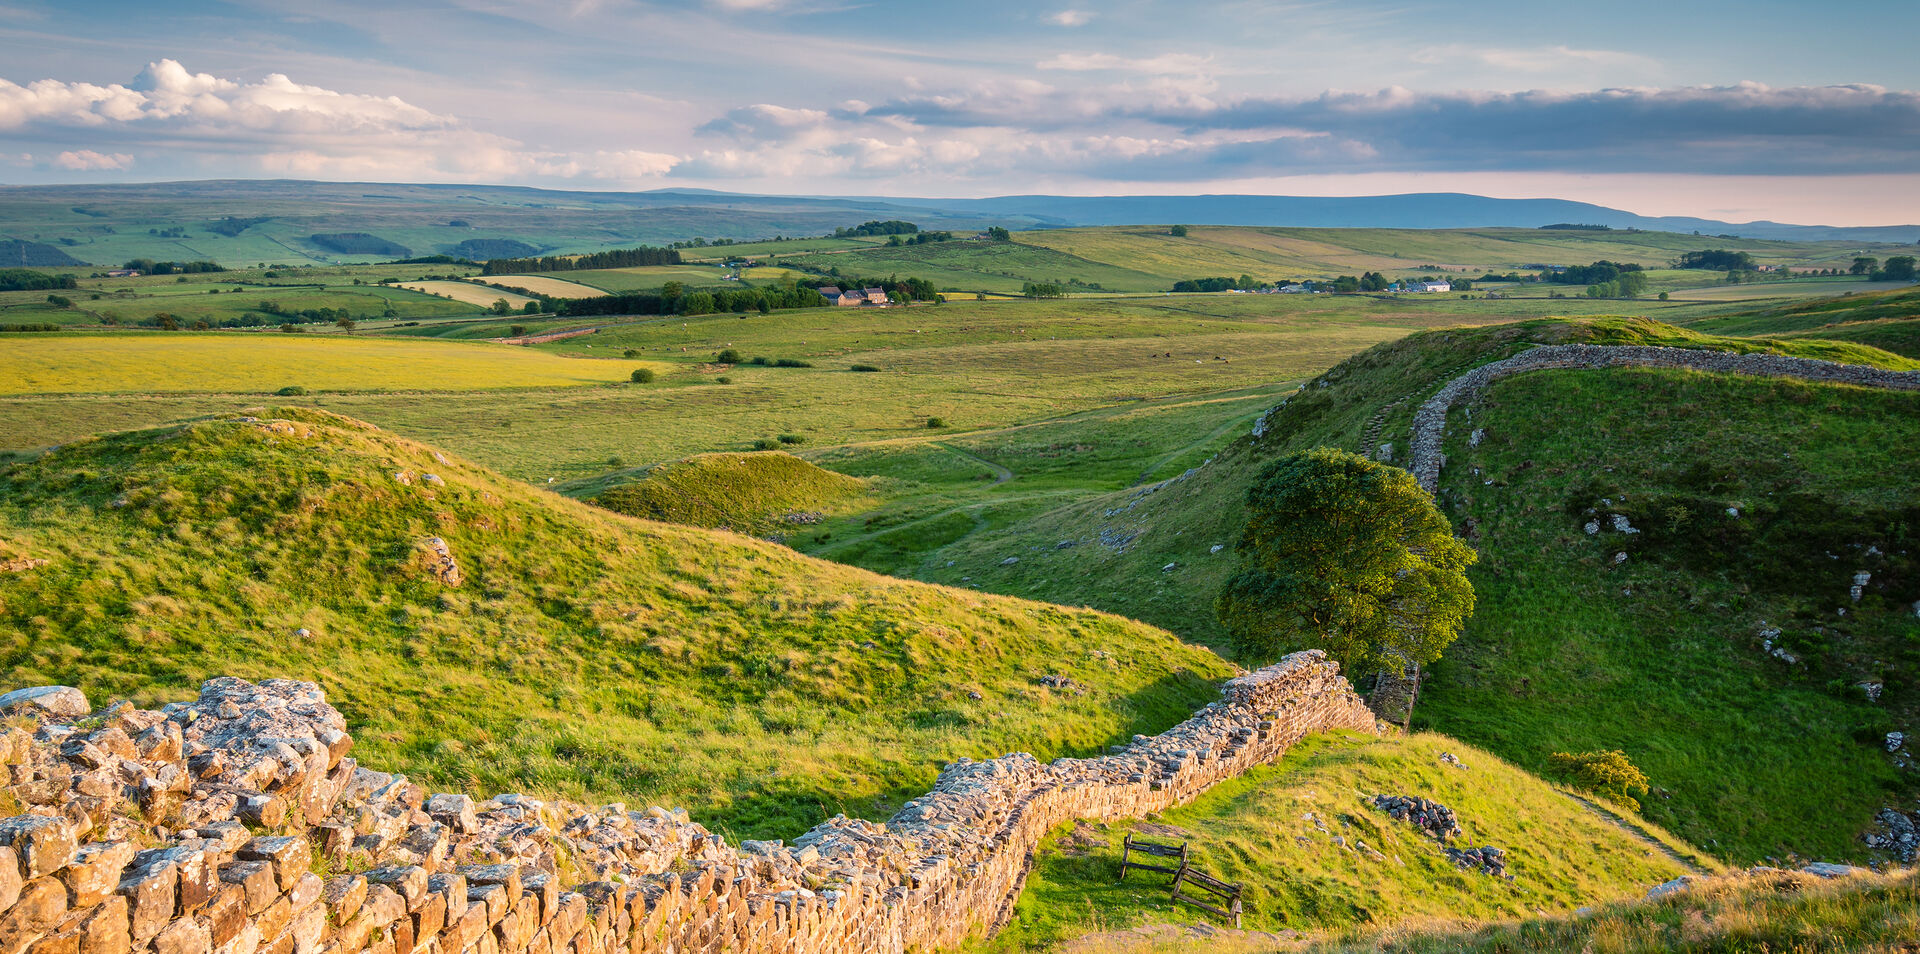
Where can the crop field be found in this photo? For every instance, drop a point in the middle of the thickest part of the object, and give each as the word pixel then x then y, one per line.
pixel 651 277
pixel 262 362
pixel 467 292
pixel 543 285
pixel 989 266
pixel 1270 253
pixel 764 250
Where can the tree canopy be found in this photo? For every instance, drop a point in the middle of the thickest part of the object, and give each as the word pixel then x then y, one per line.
pixel 1350 556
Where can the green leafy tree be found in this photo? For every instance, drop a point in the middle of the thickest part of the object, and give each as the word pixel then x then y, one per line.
pixel 1348 555
pixel 1609 773
pixel 1178 231
pixel 1863 265
pixel 1899 268
pixel 999 234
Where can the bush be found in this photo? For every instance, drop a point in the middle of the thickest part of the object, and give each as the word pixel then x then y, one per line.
pixel 1605 773
pixel 728 356
pixel 792 439
pixel 763 444
pixel 863 367
pixel 761 361
pixel 291 390
pixel 936 422
pixel 516 330
pixel 792 363
pixel 642 376
pixel 630 353
pixel 723 379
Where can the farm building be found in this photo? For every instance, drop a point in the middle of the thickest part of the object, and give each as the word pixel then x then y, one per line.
pixel 853 297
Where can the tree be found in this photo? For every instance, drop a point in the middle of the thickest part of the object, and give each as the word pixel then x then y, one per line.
pixel 1178 231
pixel 1899 268
pixel 1348 555
pixel 1863 265
pixel 344 324
pixel 642 376
pixel 502 307
pixel 999 234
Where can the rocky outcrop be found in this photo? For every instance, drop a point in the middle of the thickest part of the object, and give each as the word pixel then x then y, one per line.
pixel 239 824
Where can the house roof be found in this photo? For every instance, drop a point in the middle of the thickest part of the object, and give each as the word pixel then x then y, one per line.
pixel 830 290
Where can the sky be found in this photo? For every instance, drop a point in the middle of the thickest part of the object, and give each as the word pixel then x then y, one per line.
pixel 1762 109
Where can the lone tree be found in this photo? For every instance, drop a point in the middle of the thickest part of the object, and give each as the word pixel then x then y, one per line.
pixel 1350 556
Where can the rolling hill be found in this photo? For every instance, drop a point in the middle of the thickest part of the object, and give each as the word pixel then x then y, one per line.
pixel 1664 658
pixel 484 635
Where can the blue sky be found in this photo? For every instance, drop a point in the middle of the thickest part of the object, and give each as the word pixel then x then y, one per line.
pixel 1753 110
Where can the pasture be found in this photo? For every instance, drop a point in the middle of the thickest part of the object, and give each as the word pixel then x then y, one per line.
pixel 263 362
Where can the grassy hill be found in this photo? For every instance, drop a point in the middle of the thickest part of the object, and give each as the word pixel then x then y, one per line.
pixel 582 652
pixel 1275 831
pixel 1557 657
pixel 1888 320
pixel 759 493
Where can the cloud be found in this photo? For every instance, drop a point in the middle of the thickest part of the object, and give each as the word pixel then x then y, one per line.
pixel 1167 63
pixel 86 160
pixel 286 128
pixel 1548 59
pixel 1071 18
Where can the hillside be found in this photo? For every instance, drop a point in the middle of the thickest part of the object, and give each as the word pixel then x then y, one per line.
pixel 1317 856
pixel 764 493
pixel 1522 681
pixel 1887 320
pixel 543 645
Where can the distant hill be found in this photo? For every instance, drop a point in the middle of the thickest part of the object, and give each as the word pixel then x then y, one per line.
pixel 16 253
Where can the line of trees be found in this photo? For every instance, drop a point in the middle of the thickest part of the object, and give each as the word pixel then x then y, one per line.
pixel 1899 268
pixel 26 279
pixel 617 258
pixel 889 227
pixel 1598 273
pixel 1718 260
pixel 147 266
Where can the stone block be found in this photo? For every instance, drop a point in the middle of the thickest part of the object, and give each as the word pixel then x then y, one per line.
pixel 289 857
pixel 409 882
pixel 36 912
pixel 343 896
pixel 10 880
pixel 104 929
pixel 309 928
pixel 430 916
pixel 256 879
pixel 150 899
pixel 47 702
pixel 67 942
pixel 185 936
pixel 40 845
pixel 94 873
pixel 226 914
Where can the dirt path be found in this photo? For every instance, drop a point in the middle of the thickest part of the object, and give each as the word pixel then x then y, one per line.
pixel 1621 822
pixel 1001 473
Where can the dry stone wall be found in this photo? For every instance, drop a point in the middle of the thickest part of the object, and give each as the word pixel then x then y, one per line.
pixel 239 824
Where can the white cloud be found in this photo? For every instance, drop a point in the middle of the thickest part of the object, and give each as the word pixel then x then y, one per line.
pixel 1167 63
pixel 1071 18
pixel 290 128
pixel 86 160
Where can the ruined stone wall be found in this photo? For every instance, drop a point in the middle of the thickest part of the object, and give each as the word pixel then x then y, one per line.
pixel 239 824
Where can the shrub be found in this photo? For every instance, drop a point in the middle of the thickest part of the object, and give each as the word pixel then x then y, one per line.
pixel 936 422
pixel 792 439
pixel 728 356
pixel 642 376
pixel 1606 773
pixel 763 444
pixel 1663 296
pixel 760 360
pixel 630 353
pixel 516 330
pixel 792 363
pixel 59 301
pixel 291 390
pixel 863 367
pixel 723 379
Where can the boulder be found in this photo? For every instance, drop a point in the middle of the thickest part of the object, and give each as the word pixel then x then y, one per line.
pixel 58 702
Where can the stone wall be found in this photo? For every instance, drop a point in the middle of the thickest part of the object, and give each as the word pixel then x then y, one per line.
pixel 239 824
